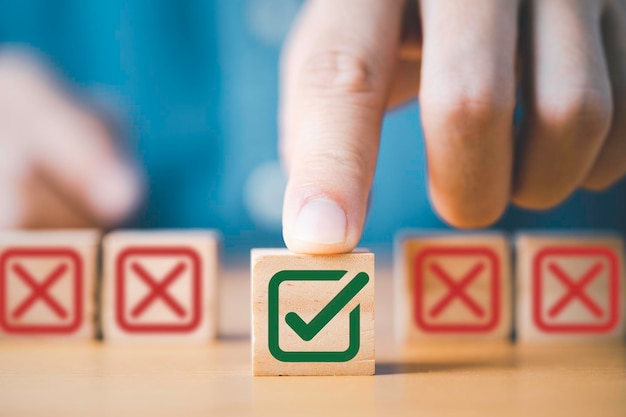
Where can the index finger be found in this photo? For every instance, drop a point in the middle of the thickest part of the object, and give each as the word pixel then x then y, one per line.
pixel 337 73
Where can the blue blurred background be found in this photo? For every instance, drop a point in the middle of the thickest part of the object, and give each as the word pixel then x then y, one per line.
pixel 194 85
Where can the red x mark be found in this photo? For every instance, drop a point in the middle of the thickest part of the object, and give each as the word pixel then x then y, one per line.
pixel 40 291
pixel 158 289
pixel 575 289
pixel 457 289
pixel 15 264
pixel 551 259
pixel 187 309
pixel 431 262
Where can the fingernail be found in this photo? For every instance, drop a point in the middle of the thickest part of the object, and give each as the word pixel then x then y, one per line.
pixel 321 221
pixel 115 193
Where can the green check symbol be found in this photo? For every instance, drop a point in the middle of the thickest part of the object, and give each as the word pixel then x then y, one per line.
pixel 308 331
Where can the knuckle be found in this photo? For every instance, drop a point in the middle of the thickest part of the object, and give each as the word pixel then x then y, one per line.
pixel 20 69
pixel 339 71
pixel 27 83
pixel 583 113
pixel 476 109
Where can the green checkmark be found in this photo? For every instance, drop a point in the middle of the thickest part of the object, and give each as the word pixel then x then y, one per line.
pixel 347 293
pixel 308 331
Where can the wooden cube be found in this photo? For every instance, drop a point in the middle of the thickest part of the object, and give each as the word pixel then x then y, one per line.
pixel 570 286
pixel 47 284
pixel 452 285
pixel 160 286
pixel 312 315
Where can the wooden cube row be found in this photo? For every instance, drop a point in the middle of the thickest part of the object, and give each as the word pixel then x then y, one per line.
pixel 312 315
pixel 156 285
pixel 460 286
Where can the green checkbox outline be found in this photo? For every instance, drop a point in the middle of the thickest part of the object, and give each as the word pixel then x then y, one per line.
pixel 274 319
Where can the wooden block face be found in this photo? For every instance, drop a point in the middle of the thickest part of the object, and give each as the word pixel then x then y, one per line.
pixel 452 286
pixel 312 315
pixel 160 286
pixel 570 287
pixel 47 284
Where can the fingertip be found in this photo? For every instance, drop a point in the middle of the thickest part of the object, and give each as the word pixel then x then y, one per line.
pixel 114 193
pixel 468 215
pixel 320 226
pixel 539 199
pixel 321 221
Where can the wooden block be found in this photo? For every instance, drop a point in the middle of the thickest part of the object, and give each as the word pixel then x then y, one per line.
pixel 452 285
pixel 312 315
pixel 47 284
pixel 570 287
pixel 160 286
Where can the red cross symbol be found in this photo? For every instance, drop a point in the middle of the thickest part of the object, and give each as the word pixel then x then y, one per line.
pixel 457 290
pixel 158 289
pixel 550 263
pixel 135 315
pixel 14 268
pixel 40 291
pixel 430 270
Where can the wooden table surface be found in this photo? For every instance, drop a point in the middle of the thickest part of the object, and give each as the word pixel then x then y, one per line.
pixel 94 379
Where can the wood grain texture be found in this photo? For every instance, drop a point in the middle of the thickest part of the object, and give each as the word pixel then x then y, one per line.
pixel 548 265
pixel 444 379
pixel 48 284
pixel 307 299
pixel 160 287
pixel 427 267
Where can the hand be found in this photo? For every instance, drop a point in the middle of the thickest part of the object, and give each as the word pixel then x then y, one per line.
pixel 58 163
pixel 348 61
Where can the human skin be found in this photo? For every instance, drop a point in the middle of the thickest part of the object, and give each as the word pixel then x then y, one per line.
pixel 347 62
pixel 59 163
